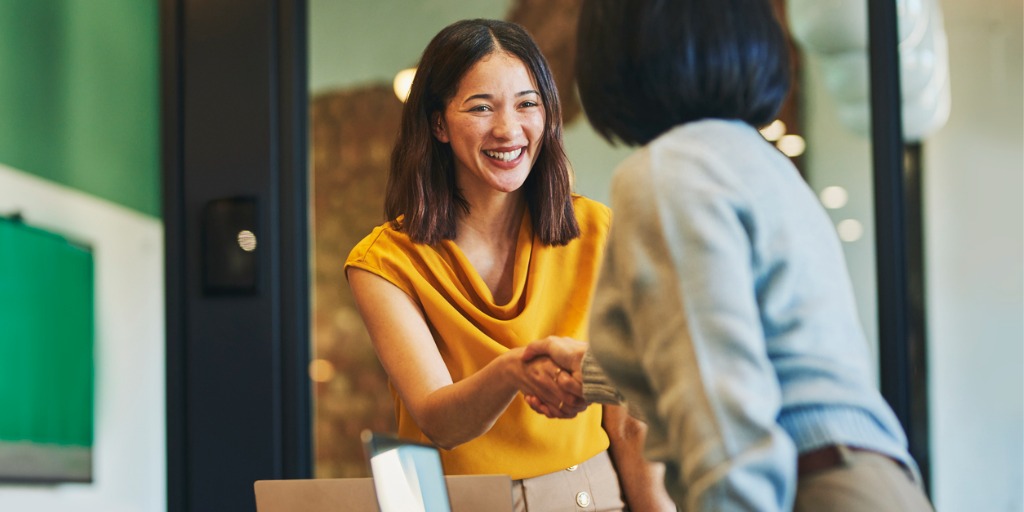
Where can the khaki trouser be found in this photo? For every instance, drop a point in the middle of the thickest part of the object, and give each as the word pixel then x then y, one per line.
pixel 863 482
pixel 592 486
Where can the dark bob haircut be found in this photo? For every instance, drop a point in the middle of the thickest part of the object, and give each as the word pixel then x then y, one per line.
pixel 645 66
pixel 421 184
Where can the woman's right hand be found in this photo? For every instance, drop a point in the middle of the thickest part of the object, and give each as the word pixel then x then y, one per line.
pixel 555 388
pixel 566 352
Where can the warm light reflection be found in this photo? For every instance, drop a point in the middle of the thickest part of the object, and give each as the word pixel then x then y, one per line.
pixel 321 370
pixel 849 230
pixel 791 145
pixel 247 240
pixel 403 82
pixel 833 197
pixel 774 131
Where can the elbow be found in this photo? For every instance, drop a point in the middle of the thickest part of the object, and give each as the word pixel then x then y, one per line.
pixel 621 426
pixel 448 436
pixel 441 441
pixel 448 440
pixel 633 428
pixel 444 436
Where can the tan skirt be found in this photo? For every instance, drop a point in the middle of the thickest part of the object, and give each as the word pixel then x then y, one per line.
pixel 592 485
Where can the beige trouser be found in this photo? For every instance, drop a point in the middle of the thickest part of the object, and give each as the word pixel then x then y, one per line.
pixel 862 482
pixel 592 486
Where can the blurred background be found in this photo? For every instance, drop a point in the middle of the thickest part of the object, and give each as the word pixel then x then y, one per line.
pixel 80 155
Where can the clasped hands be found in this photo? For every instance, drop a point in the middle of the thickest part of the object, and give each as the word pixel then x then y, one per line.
pixel 554 370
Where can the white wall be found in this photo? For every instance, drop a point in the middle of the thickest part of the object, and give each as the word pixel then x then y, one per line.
pixel 129 462
pixel 974 252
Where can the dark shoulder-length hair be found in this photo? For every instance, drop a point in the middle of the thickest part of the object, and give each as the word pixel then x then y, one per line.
pixel 644 66
pixel 421 184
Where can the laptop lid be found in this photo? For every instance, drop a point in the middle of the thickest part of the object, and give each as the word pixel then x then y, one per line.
pixel 407 476
pixel 468 493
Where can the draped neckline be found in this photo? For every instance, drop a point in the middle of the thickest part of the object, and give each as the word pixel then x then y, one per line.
pixel 470 279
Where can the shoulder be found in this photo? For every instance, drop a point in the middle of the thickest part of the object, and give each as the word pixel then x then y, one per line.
pixel 590 214
pixel 586 207
pixel 709 134
pixel 383 238
pixel 388 253
pixel 700 139
pixel 702 157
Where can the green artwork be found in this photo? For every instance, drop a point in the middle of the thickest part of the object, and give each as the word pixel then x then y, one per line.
pixel 46 356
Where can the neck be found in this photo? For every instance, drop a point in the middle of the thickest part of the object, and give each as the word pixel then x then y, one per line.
pixel 498 217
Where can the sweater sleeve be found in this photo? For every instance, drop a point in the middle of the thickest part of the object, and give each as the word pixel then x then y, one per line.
pixel 596 386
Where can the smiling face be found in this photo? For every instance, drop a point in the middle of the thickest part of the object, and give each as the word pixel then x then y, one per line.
pixel 494 124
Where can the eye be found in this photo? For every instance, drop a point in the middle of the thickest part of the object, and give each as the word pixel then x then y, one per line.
pixel 480 108
pixel 529 103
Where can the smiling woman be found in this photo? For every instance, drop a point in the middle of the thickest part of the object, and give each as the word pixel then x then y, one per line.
pixel 356 49
pixel 472 265
pixel 469 65
pixel 494 125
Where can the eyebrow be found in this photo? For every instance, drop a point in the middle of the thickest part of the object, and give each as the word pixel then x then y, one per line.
pixel 485 96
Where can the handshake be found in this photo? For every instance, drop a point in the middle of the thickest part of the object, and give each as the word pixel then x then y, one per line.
pixel 554 383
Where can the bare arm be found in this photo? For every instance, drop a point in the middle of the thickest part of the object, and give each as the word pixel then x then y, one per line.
pixel 642 481
pixel 448 413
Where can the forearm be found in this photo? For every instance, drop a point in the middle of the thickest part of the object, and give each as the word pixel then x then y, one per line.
pixel 462 411
pixel 449 413
pixel 641 481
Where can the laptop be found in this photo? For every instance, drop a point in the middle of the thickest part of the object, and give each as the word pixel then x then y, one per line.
pixel 408 475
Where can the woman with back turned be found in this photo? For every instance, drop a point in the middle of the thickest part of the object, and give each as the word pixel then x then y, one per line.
pixel 724 312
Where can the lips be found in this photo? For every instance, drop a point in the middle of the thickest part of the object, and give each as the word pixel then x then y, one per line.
pixel 504 156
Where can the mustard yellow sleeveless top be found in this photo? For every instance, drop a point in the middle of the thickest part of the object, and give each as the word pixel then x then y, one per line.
pixel 553 288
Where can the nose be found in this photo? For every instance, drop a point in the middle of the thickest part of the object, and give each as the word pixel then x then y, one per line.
pixel 507 125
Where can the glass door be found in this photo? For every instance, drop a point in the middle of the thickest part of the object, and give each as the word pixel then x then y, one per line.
pixel 968 171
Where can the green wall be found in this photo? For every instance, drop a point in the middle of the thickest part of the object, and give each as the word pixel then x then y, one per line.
pixel 79 96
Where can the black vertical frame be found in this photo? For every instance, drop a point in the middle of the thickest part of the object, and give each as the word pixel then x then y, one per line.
pixel 234 105
pixel 898 245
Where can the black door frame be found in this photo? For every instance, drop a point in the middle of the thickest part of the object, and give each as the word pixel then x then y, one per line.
pixel 899 246
pixel 234 105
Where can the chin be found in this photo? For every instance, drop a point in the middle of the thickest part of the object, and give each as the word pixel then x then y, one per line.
pixel 510 186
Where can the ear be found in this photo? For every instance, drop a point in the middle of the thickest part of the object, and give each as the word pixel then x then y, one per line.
pixel 439 129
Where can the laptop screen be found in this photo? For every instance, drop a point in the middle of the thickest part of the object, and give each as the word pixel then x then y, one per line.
pixel 407 476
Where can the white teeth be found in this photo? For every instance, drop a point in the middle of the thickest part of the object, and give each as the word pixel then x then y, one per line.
pixel 506 156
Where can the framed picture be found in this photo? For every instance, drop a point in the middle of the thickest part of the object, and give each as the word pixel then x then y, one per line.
pixel 46 356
